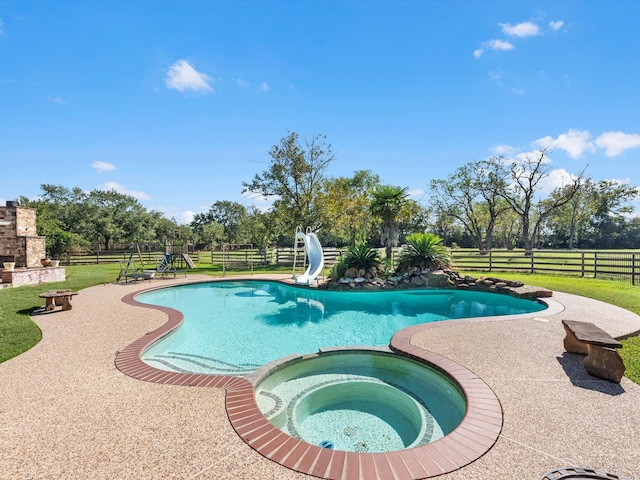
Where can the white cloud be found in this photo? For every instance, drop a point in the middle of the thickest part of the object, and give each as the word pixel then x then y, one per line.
pixel 492 45
pixel 529 158
pixel 504 150
pixel 102 167
pixel 264 87
pixel 182 218
pixel 182 76
pixel 108 186
pixel 186 217
pixel 577 142
pixel 556 179
pixel 417 192
pixel 574 142
pixel 553 179
pixel 243 83
pixel 522 30
pixel 556 25
pixel 615 143
pixel 57 100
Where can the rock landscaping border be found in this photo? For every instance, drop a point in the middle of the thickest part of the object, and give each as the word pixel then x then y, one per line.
pixel 442 279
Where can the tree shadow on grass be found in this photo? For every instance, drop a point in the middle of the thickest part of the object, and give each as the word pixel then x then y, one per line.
pixel 572 364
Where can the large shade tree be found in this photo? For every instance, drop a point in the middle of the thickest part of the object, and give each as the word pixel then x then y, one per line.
pixel 526 175
pixel 345 206
pixel 596 216
pixel 471 196
pixel 294 178
pixel 257 228
pixel 223 212
pixel 116 216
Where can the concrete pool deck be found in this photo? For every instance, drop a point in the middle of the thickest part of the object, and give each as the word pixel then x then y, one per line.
pixel 67 412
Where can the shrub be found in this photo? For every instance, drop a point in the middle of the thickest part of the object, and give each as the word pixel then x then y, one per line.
pixel 424 251
pixel 359 261
pixel 338 270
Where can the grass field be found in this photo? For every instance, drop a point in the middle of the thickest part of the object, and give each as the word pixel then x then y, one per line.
pixel 19 333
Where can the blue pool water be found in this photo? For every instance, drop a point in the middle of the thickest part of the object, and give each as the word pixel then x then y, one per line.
pixel 234 327
pixel 361 401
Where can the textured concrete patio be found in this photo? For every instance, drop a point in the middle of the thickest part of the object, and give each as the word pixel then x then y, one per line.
pixel 67 412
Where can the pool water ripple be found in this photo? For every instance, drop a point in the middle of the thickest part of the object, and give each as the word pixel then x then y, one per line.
pixel 232 328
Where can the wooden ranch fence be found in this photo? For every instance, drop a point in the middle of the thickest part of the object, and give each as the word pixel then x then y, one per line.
pixel 232 258
pixel 615 265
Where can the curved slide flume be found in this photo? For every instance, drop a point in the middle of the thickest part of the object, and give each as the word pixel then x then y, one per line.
pixel 316 258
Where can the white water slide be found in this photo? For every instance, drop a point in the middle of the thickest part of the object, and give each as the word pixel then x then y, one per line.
pixel 314 253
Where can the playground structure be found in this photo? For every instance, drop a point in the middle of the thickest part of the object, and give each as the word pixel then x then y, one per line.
pixel 313 253
pixel 173 260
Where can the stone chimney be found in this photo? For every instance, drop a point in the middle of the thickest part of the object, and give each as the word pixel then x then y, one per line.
pixel 19 241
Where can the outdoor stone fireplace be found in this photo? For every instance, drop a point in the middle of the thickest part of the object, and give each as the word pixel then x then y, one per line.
pixel 22 249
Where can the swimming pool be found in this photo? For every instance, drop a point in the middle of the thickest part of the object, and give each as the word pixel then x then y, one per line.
pixel 235 327
pixel 398 410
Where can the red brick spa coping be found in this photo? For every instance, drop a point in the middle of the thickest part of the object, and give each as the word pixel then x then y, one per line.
pixel 475 435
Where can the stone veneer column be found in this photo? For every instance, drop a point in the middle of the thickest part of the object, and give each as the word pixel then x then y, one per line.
pixel 19 238
pixel 8 239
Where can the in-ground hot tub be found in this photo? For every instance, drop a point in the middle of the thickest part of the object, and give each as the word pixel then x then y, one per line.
pixel 360 400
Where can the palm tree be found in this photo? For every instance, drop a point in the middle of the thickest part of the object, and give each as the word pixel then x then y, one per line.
pixel 388 202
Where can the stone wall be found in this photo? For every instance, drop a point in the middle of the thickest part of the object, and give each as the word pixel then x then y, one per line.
pixel 34 276
pixel 26 221
pixel 19 241
pixel 35 251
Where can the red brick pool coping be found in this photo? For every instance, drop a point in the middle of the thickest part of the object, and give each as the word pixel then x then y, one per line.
pixel 475 435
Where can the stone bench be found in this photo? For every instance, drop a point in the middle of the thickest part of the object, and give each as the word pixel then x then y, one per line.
pixel 602 357
pixel 58 298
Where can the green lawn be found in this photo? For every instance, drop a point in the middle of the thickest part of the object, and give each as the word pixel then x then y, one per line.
pixel 18 333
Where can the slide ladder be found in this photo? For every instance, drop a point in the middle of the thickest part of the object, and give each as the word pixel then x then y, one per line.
pixel 313 250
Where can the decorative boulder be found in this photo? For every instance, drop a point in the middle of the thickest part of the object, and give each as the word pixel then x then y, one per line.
pixel 437 279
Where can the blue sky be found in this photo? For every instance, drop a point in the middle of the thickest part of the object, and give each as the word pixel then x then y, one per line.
pixel 178 103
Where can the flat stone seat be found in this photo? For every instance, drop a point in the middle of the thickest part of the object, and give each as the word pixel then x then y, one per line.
pixel 58 298
pixel 602 357
pixel 588 332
